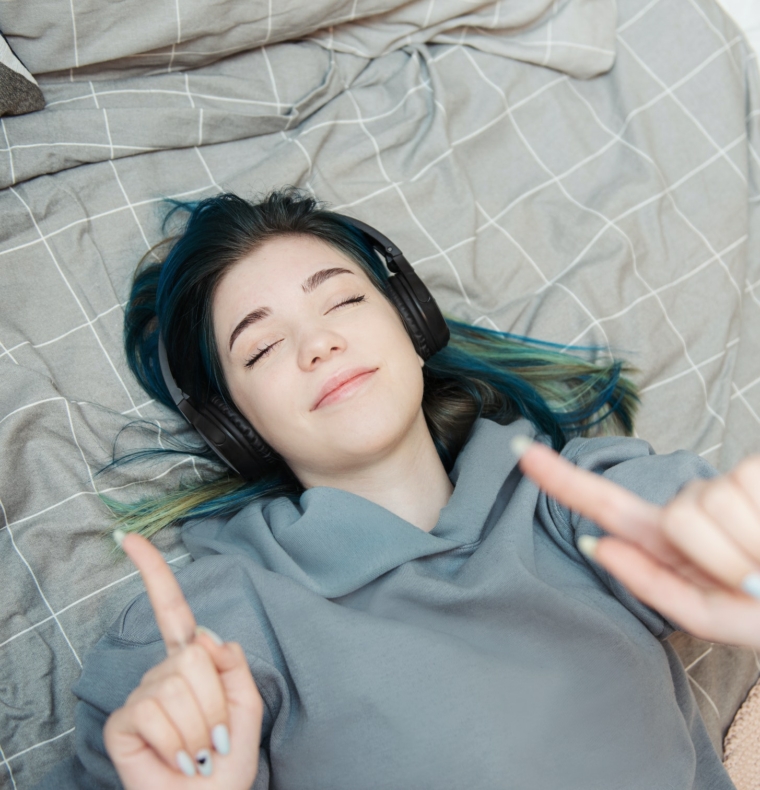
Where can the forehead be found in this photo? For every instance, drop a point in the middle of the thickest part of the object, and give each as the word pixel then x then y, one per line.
pixel 273 273
pixel 281 263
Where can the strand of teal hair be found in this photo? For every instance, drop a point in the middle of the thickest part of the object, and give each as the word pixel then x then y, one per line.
pixel 537 374
pixel 223 496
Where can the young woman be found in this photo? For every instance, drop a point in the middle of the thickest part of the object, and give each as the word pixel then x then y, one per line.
pixel 394 603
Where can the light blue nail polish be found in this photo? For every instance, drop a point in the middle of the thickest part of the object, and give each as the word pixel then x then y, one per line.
pixel 185 763
pixel 203 761
pixel 751 585
pixel 215 638
pixel 220 737
pixel 520 444
pixel 587 545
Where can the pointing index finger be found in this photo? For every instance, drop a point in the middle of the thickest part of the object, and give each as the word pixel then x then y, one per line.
pixel 611 506
pixel 173 615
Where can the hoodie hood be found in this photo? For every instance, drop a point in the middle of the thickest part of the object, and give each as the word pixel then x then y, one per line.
pixel 334 542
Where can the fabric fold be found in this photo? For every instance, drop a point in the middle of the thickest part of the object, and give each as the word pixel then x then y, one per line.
pixel 573 36
pixel 334 542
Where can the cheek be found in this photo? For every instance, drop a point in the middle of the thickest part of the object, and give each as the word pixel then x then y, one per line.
pixel 402 394
pixel 400 349
pixel 264 401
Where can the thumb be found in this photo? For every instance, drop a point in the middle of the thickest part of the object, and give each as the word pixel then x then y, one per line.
pixel 234 672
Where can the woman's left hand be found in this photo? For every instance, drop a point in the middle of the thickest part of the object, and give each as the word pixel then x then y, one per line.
pixel 696 560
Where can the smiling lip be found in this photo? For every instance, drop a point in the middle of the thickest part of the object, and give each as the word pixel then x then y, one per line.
pixel 345 380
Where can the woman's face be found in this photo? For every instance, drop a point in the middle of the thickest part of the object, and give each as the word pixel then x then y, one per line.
pixel 316 358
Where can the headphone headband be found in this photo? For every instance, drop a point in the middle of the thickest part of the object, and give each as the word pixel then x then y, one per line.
pixel 394 258
pixel 234 439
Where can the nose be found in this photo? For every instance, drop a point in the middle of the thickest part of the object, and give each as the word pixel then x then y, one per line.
pixel 317 345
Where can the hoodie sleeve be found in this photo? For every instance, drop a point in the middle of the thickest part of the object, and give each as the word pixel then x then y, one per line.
pixel 115 666
pixel 632 464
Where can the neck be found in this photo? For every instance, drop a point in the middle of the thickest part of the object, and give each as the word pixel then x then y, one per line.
pixel 409 480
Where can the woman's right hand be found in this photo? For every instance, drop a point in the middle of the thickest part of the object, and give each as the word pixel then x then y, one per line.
pixel 195 719
pixel 695 560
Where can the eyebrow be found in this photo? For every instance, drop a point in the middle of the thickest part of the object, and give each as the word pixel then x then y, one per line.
pixel 308 285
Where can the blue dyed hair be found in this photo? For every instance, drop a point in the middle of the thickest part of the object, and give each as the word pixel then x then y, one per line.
pixel 481 373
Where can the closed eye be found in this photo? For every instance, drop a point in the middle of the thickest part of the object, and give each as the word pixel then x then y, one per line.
pixel 350 300
pixel 264 351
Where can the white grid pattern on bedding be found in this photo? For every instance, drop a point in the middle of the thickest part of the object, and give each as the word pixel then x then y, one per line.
pixel 127 400
pixel 74 295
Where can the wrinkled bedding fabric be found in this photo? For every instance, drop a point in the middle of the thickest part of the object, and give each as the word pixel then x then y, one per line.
pixel 538 184
pixel 574 36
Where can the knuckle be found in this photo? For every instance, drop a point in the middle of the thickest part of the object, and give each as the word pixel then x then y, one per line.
pixel 145 712
pixel 615 508
pixel 144 708
pixel 173 687
pixel 694 489
pixel 214 701
pixel 676 517
pixel 111 726
pixel 196 734
pixel 238 655
pixel 753 462
pixel 716 496
pixel 193 657
pixel 215 706
pixel 135 695
pixel 747 471
pixel 154 672
pixel 176 696
pixel 237 652
pixel 257 701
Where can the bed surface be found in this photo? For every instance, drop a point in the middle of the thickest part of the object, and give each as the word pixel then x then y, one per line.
pixel 583 172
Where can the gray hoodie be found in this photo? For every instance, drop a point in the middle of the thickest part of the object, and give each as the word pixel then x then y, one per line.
pixel 487 653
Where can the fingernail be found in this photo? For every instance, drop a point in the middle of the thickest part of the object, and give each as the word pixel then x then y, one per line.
pixel 587 545
pixel 203 760
pixel 220 737
pixel 118 535
pixel 751 585
pixel 201 629
pixel 185 763
pixel 520 444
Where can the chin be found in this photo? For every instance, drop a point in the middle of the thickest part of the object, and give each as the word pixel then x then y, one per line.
pixel 354 435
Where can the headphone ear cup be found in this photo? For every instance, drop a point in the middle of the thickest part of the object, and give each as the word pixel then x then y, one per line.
pixel 222 427
pixel 427 340
pixel 408 314
pixel 241 447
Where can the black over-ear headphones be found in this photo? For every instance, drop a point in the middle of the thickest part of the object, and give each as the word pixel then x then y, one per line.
pixel 234 439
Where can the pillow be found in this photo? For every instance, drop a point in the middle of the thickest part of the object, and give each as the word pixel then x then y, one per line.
pixel 145 35
pixel 96 38
pixel 19 92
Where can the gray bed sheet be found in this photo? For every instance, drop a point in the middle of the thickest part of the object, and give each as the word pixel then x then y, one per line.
pixel 588 173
